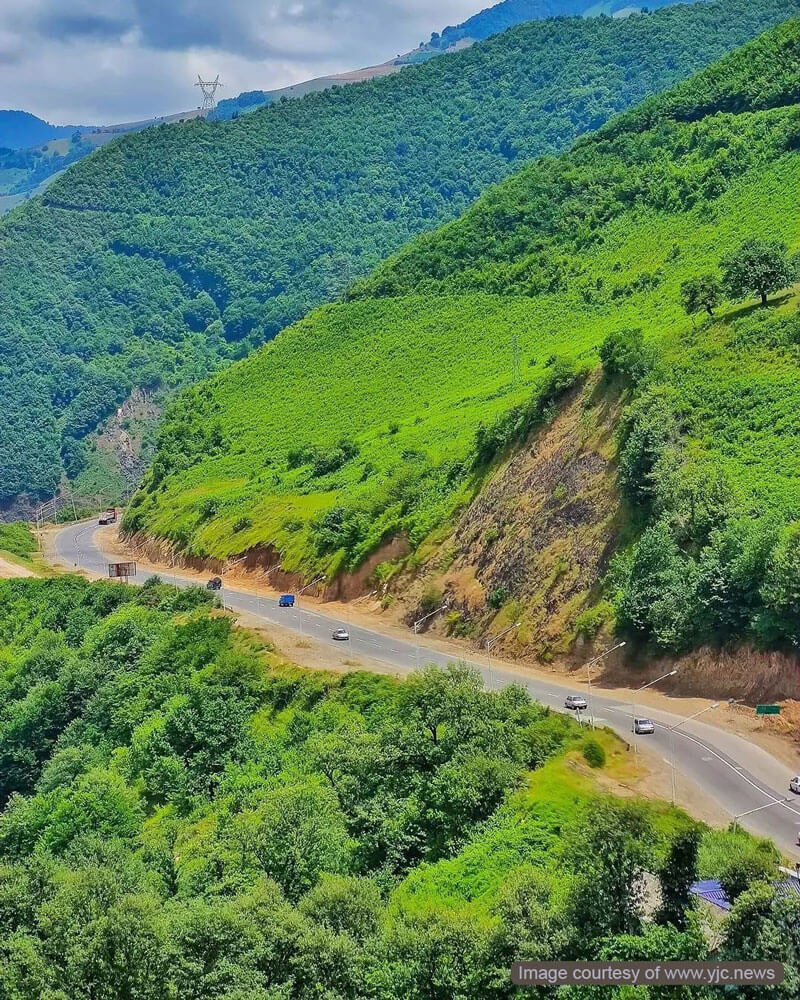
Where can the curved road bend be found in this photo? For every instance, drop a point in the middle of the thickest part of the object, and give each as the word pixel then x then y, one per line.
pixel 736 774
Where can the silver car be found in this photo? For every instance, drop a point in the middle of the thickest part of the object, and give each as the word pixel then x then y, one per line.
pixel 794 784
pixel 340 634
pixel 643 727
pixel 575 702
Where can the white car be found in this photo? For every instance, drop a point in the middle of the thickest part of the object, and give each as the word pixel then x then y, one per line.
pixel 340 634
pixel 575 702
pixel 643 727
pixel 794 784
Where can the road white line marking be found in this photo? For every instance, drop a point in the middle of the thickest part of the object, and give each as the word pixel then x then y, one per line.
pixel 737 769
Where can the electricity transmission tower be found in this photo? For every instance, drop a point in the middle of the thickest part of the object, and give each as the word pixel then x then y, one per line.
pixel 208 88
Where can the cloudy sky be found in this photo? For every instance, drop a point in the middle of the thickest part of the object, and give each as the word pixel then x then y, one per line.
pixel 101 61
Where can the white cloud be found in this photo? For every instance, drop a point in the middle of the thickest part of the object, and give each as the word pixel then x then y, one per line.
pixel 87 61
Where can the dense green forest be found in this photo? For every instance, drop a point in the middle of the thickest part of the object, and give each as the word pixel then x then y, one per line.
pixel 482 25
pixel 465 341
pixel 171 252
pixel 184 815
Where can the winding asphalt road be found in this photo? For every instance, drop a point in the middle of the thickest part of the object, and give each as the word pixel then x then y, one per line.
pixel 727 768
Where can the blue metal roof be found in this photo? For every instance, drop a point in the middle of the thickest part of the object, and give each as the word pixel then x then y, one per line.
pixel 710 890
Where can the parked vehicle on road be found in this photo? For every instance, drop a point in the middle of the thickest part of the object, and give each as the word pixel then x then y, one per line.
pixel 215 583
pixel 108 517
pixel 794 784
pixel 340 634
pixel 575 702
pixel 643 727
pixel 286 601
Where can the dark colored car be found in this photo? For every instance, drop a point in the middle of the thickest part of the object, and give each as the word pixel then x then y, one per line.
pixel 215 583
pixel 286 601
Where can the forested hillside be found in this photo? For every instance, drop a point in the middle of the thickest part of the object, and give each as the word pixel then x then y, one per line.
pixel 183 815
pixel 381 417
pixel 20 129
pixel 482 25
pixel 170 252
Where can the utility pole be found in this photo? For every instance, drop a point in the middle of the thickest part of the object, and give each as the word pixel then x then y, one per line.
pixel 419 621
pixel 589 666
pixel 493 639
pixel 673 729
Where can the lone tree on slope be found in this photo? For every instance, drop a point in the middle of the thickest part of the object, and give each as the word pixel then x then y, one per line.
pixel 757 267
pixel 701 293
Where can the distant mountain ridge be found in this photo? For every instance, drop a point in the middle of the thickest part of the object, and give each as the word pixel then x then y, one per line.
pixel 501 16
pixel 20 129
pixel 486 23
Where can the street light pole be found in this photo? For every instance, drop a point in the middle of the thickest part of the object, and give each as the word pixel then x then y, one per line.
pixel 644 687
pixel 419 622
pixel 678 725
pixel 769 805
pixel 302 591
pixel 493 639
pixel 589 666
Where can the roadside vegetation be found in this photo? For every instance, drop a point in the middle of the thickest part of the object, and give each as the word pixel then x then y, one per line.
pixel 183 814
pixel 169 253
pixel 17 539
pixel 466 341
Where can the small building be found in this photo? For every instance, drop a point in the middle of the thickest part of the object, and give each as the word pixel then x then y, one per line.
pixel 711 891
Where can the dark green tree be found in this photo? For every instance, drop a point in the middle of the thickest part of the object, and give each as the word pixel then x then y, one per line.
pixel 757 267
pixel 702 293
pixel 677 873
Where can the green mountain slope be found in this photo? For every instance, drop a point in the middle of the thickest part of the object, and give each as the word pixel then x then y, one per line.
pixel 483 25
pixel 168 253
pixel 379 417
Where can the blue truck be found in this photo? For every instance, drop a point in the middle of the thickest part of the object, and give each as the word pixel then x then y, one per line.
pixel 286 601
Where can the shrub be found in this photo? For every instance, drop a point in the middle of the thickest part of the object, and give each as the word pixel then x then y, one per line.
pixel 624 355
pixel 497 598
pixel 648 428
pixel 242 524
pixel 208 508
pixel 590 621
pixel 594 754
pixel 432 598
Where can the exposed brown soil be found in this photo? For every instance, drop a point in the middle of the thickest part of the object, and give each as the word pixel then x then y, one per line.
pixel 536 539
pixel 122 433
pixel 10 570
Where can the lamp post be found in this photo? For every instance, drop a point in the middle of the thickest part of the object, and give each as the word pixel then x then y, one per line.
pixel 589 666
pixel 672 729
pixel 493 639
pixel 769 805
pixel 419 622
pixel 644 687
pixel 302 591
